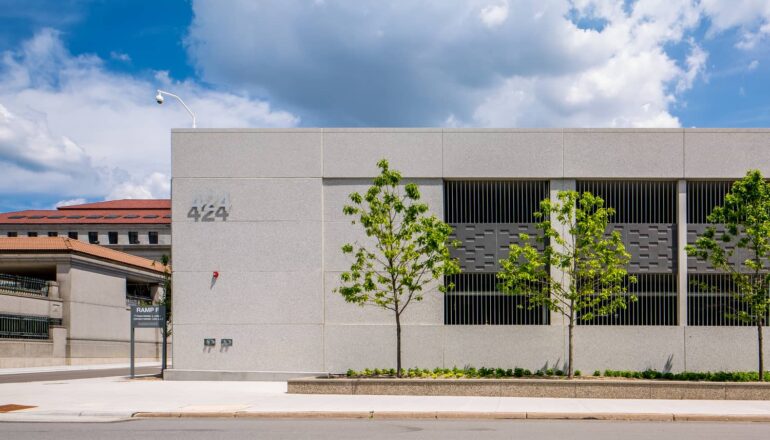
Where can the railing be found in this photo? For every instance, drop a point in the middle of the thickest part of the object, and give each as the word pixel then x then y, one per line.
pixel 137 300
pixel 24 327
pixel 23 285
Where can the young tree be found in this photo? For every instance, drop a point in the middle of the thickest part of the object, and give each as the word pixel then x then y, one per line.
pixel 745 216
pixel 166 301
pixel 591 263
pixel 409 250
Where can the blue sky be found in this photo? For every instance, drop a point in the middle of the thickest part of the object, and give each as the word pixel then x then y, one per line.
pixel 78 121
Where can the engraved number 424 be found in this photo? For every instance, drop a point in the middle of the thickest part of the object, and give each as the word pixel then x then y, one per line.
pixel 208 213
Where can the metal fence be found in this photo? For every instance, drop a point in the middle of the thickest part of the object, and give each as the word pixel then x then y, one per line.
pixel 24 327
pixel 17 284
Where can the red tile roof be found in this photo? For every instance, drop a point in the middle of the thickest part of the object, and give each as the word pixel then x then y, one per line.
pixel 66 245
pixel 110 212
pixel 123 204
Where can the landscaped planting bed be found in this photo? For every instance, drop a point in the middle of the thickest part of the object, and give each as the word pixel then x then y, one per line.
pixel 551 373
pixel 519 382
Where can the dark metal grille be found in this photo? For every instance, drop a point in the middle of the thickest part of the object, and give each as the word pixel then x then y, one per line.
pixel 24 327
pixel 703 197
pixel 646 216
pixel 711 300
pixel 483 201
pixel 635 201
pixel 476 300
pixel 23 285
pixel 656 303
pixel 490 214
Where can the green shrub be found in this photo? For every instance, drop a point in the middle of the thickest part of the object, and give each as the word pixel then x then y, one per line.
pixel 558 373
pixel 549 372
pixel 518 372
pixel 351 373
pixel 597 373
pixel 578 373
pixel 527 372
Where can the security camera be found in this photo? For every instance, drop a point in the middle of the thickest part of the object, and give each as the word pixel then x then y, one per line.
pixel 159 98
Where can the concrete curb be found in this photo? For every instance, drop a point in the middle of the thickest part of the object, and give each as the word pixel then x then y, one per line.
pixel 445 415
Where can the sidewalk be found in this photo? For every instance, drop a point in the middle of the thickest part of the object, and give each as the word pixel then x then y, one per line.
pixel 55 368
pixel 110 399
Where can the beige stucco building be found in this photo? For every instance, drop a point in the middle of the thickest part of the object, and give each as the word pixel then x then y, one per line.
pixel 65 302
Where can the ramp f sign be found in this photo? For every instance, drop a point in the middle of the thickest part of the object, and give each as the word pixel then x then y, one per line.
pixel 145 317
pixel 148 316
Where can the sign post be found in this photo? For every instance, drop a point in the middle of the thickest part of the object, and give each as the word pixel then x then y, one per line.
pixel 145 317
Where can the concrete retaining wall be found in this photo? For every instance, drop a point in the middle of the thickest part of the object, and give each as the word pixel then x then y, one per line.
pixel 579 388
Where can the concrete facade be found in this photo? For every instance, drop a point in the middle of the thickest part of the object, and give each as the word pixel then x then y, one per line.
pixel 87 308
pixel 278 255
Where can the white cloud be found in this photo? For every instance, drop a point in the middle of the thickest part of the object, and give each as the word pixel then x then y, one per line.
pixel 70 202
pixel 751 17
pixel 120 56
pixel 753 65
pixel 71 127
pixel 541 55
pixel 495 14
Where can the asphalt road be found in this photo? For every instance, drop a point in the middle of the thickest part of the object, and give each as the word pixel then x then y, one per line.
pixel 384 429
pixel 74 374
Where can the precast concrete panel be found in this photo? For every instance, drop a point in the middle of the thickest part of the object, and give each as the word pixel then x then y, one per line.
pixel 256 347
pixel 355 152
pixel 248 298
pixel 246 246
pixel 248 199
pixel 717 348
pixel 336 311
pixel 634 348
pixel 336 194
pixel 625 154
pixel 374 346
pixel 504 346
pixel 503 154
pixel 725 153
pixel 246 153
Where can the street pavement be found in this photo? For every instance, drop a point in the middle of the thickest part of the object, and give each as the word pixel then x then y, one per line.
pixel 119 398
pixel 336 429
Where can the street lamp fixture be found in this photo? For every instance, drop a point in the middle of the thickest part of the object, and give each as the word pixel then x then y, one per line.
pixel 159 99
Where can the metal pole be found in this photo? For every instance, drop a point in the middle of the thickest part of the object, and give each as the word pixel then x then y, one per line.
pixel 132 351
pixel 165 339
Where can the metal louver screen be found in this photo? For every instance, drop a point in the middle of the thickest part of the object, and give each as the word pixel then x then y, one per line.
pixel 711 299
pixel 646 216
pixel 487 216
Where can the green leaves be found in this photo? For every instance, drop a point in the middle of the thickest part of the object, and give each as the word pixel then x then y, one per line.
pixel 591 265
pixel 409 249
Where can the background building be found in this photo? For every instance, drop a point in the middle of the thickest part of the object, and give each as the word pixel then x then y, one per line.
pixel 64 302
pixel 263 209
pixel 139 227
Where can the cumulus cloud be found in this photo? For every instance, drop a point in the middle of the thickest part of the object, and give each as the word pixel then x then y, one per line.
pixel 70 127
pixel 479 62
pixel 494 15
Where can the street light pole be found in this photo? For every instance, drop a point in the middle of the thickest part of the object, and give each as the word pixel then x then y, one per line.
pixel 159 100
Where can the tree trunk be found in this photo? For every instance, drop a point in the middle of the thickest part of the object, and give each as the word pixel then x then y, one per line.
pixel 761 352
pixel 571 355
pixel 398 345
